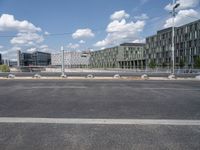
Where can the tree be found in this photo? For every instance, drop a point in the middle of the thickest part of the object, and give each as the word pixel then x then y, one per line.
pixel 4 68
pixel 197 63
pixel 152 64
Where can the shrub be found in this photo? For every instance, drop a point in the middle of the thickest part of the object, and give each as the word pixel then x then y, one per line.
pixel 4 68
pixel 152 64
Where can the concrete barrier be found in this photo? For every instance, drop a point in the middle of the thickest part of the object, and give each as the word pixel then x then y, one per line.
pixel 37 76
pixel 11 76
pixel 144 76
pixel 63 76
pixel 197 77
pixel 171 77
pixel 90 76
pixel 116 76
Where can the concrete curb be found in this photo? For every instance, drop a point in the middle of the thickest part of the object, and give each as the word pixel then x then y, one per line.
pixel 99 78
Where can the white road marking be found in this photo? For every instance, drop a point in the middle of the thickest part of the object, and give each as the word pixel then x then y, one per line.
pixel 100 121
pixel 179 89
pixel 48 87
pixel 58 87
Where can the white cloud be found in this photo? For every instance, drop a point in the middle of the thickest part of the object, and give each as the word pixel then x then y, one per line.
pixel 183 17
pixel 1 46
pixel 8 22
pixel 82 42
pixel 83 33
pixel 27 36
pixel 184 4
pixel 41 48
pixel 31 50
pixel 11 53
pixel 27 39
pixel 44 46
pixel 143 1
pixel 73 46
pixel 139 41
pixel 123 26
pixel 119 15
pixel 121 31
pixel 46 33
pixel 15 48
pixel 142 17
pixel 3 52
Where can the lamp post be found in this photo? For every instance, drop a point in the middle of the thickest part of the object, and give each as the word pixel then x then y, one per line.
pixel 63 62
pixel 175 6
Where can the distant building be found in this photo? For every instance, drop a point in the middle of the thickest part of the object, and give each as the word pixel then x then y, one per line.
pixel 1 60
pixel 187 46
pixel 41 58
pixel 10 63
pixel 6 62
pixel 72 59
pixel 33 59
pixel 13 63
pixel 127 55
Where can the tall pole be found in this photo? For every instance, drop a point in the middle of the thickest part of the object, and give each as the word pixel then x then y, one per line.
pixel 175 5
pixel 173 17
pixel 63 61
pixel 18 58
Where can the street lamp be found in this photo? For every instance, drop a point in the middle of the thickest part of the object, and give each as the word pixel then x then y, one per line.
pixel 175 6
pixel 63 62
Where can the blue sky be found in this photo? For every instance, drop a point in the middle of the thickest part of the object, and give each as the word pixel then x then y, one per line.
pixel 88 24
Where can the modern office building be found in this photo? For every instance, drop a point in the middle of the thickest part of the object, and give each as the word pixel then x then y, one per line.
pixel 1 59
pixel 72 59
pixel 13 63
pixel 41 58
pixel 187 46
pixel 6 62
pixel 33 59
pixel 127 55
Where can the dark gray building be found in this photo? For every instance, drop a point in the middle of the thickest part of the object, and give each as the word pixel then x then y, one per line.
pixel 33 59
pixel 187 46
pixel 1 60
pixel 127 55
pixel 41 58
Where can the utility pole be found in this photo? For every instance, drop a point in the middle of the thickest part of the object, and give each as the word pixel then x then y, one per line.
pixel 63 62
pixel 175 6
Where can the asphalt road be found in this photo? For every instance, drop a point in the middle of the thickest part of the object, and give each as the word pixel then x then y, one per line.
pixel 94 99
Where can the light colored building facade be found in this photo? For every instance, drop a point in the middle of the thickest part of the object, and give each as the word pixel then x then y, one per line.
pixel 126 56
pixel 72 59
pixel 187 46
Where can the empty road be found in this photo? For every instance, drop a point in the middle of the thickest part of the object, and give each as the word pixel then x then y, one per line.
pixel 99 114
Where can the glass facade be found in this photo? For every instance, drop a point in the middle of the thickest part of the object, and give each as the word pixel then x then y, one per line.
pixel 0 59
pixel 34 59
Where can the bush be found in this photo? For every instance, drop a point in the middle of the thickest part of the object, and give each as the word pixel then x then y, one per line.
pixel 152 64
pixel 197 63
pixel 4 68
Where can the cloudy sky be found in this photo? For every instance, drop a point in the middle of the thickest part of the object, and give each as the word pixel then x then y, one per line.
pixel 46 25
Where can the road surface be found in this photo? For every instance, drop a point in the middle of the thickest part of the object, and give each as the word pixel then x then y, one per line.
pixel 93 114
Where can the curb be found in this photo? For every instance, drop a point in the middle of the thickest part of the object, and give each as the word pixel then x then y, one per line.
pixel 100 78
